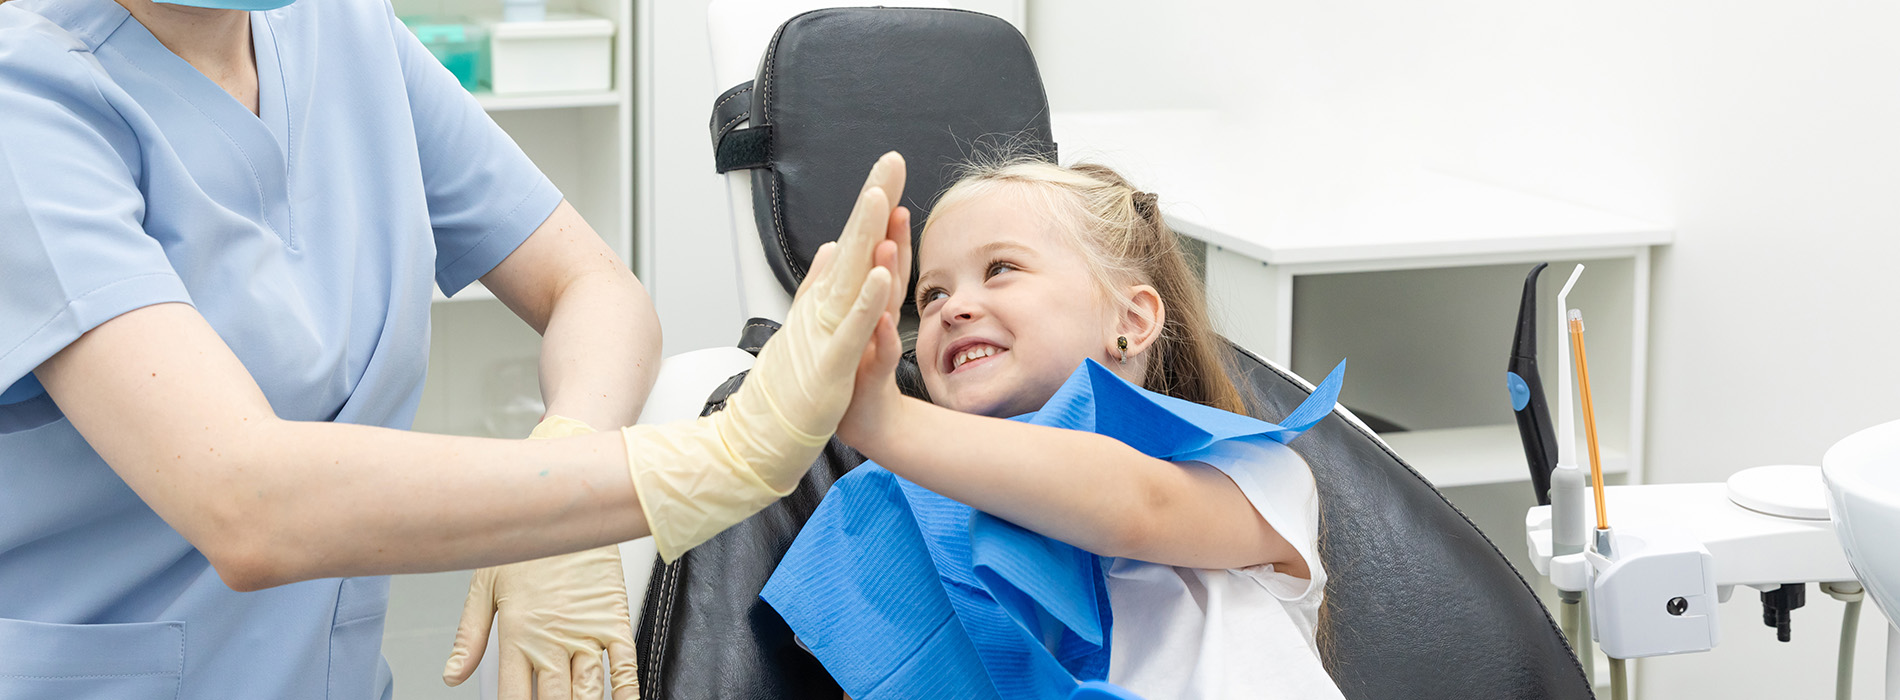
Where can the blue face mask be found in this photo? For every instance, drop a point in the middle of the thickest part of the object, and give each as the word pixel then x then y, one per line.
pixel 246 5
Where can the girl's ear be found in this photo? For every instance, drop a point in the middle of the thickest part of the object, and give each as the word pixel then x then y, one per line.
pixel 1141 322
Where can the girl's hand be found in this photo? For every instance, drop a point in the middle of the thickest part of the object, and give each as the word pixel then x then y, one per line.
pixel 875 399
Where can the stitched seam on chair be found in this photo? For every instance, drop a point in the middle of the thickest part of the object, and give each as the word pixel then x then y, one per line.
pixel 765 100
pixel 730 97
pixel 1576 663
pixel 778 228
pixel 754 349
pixel 662 611
pixel 723 128
pixel 765 76
pixel 666 622
pixel 735 120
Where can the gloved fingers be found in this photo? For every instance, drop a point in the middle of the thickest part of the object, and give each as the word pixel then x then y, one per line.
pixel 888 173
pixel 515 678
pixel 855 329
pixel 626 671
pixel 555 682
pixel 588 675
pixel 471 636
pixel 862 232
pixel 819 261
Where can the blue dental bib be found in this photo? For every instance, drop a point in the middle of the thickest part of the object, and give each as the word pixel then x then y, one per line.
pixel 903 593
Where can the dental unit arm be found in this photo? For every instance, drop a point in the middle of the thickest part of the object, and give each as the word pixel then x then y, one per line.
pixel 1652 585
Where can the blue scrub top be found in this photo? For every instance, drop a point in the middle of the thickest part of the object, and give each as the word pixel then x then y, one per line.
pixel 308 235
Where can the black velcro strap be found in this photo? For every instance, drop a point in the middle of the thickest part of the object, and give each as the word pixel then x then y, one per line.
pixel 730 109
pixel 742 149
pixel 735 148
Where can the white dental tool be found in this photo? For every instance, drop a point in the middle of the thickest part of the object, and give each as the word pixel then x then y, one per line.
pixel 1567 529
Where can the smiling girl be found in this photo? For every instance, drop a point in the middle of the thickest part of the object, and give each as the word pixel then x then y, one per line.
pixel 1027 270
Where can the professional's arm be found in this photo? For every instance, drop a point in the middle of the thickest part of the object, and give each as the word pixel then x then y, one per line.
pixel 158 394
pixel 175 413
pixel 600 348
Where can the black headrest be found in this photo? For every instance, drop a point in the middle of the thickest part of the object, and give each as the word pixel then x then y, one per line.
pixel 838 87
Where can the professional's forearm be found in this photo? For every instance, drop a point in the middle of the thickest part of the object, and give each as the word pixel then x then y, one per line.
pixel 358 500
pixel 600 352
pixel 271 501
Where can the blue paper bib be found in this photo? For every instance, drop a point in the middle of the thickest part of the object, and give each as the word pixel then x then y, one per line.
pixel 902 593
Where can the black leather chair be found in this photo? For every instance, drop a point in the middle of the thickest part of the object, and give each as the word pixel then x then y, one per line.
pixel 1419 604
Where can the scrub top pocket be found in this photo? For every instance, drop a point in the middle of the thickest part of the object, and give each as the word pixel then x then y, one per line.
pixel 137 661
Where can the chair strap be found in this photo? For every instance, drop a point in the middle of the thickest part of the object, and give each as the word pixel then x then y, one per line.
pixel 737 148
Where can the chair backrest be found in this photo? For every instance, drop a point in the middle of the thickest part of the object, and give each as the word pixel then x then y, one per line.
pixel 1419 603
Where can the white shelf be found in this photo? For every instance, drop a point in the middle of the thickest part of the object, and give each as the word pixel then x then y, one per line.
pixel 559 100
pixel 1490 454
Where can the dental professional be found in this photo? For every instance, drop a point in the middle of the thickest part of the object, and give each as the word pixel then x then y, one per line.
pixel 220 221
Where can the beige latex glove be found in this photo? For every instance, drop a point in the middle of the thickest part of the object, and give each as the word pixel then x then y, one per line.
pixel 697 479
pixel 556 614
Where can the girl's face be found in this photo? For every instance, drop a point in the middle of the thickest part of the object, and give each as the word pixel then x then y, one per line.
pixel 1007 306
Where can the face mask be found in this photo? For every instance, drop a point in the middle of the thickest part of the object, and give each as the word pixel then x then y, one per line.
pixel 246 5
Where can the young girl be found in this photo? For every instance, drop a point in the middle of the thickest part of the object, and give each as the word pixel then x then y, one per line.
pixel 1027 270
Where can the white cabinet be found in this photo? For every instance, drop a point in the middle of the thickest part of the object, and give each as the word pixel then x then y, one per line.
pixel 1412 275
pixel 584 143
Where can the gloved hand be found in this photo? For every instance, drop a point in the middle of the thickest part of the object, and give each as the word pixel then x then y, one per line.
pixel 556 614
pixel 697 479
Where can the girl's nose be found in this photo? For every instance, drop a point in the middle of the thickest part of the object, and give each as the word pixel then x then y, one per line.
pixel 960 308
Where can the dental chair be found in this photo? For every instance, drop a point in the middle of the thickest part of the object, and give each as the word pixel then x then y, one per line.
pixel 1419 604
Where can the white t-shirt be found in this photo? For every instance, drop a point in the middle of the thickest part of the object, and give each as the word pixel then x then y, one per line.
pixel 1236 633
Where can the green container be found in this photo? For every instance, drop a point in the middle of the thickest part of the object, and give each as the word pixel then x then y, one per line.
pixel 461 46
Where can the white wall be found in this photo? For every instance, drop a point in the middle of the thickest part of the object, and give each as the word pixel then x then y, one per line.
pixel 681 201
pixel 1767 132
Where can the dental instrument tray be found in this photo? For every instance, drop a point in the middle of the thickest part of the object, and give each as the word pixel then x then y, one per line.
pixel 824 106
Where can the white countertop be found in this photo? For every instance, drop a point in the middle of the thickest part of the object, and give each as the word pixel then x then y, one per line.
pixel 1289 203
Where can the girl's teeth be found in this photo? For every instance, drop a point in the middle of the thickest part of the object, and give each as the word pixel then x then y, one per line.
pixel 973 354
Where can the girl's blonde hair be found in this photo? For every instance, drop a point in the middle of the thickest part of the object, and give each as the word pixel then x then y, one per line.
pixel 1120 232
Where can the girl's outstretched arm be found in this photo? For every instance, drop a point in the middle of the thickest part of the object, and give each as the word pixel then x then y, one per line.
pixel 1088 490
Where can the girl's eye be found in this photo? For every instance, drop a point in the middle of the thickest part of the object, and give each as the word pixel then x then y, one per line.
pixel 931 296
pixel 997 268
